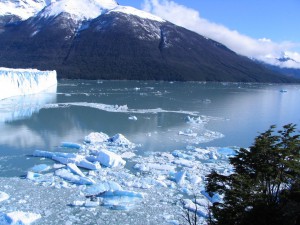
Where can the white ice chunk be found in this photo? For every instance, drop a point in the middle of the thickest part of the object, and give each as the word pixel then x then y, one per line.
pixel 96 137
pixel 67 175
pixel 155 166
pixel 188 133
pixel 3 196
pixel 180 177
pixel 199 209
pixel 40 168
pixel 120 140
pixel 110 159
pixel 66 158
pixel 36 177
pixel 132 118
pixel 194 179
pixel 194 120
pixel 74 169
pixel 184 162
pixel 79 161
pixel 18 218
pixel 14 82
pixel 179 154
pixel 212 155
pixel 102 187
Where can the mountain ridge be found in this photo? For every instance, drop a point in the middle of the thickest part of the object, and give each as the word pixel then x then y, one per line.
pixel 123 43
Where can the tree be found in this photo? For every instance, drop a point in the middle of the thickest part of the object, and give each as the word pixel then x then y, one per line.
pixel 264 188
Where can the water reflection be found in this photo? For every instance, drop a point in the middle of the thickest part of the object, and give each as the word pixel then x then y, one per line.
pixel 20 108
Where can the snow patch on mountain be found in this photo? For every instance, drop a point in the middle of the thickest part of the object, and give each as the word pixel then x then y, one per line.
pixel 14 82
pixel 82 9
pixel 135 12
pixel 22 8
pixel 286 59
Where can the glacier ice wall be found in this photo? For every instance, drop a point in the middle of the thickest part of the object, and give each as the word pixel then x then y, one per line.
pixel 15 82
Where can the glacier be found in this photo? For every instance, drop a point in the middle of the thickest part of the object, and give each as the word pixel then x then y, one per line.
pixel 16 82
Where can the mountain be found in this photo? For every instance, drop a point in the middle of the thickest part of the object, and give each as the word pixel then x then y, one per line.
pixel 17 10
pixel 99 39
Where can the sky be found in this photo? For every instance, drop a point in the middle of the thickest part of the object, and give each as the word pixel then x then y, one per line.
pixel 260 29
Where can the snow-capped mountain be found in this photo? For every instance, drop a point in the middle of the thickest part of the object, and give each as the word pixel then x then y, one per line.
pixel 99 39
pixel 79 9
pixel 16 10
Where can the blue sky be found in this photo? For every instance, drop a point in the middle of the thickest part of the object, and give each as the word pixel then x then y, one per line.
pixel 278 20
pixel 256 28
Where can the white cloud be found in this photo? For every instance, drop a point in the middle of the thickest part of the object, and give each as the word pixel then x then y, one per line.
pixel 261 49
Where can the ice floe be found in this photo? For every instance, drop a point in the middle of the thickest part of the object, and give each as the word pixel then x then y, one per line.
pixel 133 118
pixel 18 218
pixel 118 108
pixel 3 196
pixel 106 173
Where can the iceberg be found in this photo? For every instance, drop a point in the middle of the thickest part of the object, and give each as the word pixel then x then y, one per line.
pixel 96 137
pixel 110 159
pixel 16 82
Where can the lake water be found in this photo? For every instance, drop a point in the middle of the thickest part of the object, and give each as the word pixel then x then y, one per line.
pixel 232 115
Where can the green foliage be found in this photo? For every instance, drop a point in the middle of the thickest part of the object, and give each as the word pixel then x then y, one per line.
pixel 265 186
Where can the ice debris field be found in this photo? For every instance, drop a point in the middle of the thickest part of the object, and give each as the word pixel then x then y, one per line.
pixel 15 82
pixel 104 181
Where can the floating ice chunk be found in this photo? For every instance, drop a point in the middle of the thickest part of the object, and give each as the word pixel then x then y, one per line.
pixel 131 194
pixel 90 204
pixel 194 120
pixel 100 188
pixel 184 162
pixel 78 203
pixel 18 218
pixel 40 168
pixel 180 177
pixel 128 155
pixel 110 159
pixel 78 161
pixel 215 198
pixel 132 118
pixel 49 155
pixel 68 176
pixel 188 133
pixel 212 155
pixel 36 177
pixel 121 200
pixel 70 145
pixel 88 165
pixel 194 207
pixel 120 140
pixel 3 196
pixel 96 137
pixel 179 154
pixel 155 166
pixel 74 169
pixel 194 179
pixel 66 158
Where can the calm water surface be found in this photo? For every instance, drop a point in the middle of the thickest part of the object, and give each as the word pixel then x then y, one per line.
pixel 234 114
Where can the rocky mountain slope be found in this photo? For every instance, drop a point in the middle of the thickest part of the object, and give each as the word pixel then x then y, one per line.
pixel 99 39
